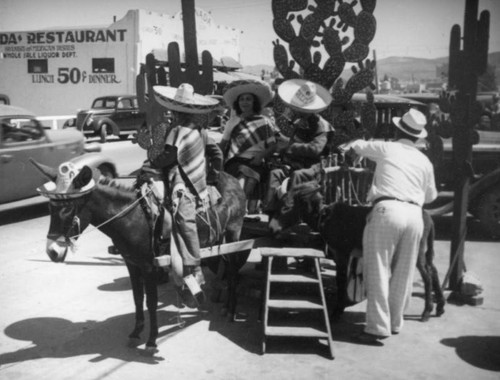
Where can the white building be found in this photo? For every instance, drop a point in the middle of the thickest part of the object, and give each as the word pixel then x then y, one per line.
pixel 56 72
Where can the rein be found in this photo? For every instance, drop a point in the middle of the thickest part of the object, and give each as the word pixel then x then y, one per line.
pixel 76 219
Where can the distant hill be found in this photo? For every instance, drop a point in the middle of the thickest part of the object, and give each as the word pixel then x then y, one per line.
pixel 403 68
pixel 257 69
pixel 407 68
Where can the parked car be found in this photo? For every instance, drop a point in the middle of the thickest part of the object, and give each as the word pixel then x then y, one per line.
pixel 23 137
pixel 117 115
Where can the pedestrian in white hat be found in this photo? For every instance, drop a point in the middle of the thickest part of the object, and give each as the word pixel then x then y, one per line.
pixel 403 182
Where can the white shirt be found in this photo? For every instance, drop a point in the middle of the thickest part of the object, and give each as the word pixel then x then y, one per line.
pixel 402 171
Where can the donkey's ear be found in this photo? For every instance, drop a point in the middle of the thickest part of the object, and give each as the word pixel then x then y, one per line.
pixel 47 171
pixel 83 178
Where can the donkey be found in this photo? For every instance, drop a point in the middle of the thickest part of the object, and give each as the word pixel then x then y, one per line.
pixel 341 227
pixel 115 210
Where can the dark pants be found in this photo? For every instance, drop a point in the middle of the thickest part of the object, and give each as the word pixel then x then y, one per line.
pixel 278 175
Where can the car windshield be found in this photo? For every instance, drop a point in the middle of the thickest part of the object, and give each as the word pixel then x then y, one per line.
pixel 104 103
pixel 19 129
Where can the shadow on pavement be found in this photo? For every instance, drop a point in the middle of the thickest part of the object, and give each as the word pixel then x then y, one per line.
pixel 105 339
pixel 480 351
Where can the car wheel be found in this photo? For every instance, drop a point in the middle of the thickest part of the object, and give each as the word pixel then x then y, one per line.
pixel 104 133
pixel 488 211
pixel 107 171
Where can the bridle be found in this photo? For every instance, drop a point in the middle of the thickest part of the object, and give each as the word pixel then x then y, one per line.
pixel 77 204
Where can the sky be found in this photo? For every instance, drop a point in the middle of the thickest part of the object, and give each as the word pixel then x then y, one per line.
pixel 407 28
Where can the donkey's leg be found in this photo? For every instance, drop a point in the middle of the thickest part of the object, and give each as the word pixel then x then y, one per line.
pixel 233 264
pixel 341 262
pixel 152 305
pixel 438 291
pixel 432 270
pixel 138 292
pixel 426 278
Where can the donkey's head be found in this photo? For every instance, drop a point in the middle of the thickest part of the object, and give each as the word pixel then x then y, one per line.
pixel 301 203
pixel 68 190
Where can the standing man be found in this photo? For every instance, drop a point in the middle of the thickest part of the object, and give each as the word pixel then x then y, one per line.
pixel 185 172
pixel 403 182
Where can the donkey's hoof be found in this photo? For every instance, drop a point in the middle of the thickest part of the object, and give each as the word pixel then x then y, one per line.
pixel 425 316
pixel 439 310
pixel 150 349
pixel 133 342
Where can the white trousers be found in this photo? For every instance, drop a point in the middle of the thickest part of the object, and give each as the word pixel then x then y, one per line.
pixel 390 248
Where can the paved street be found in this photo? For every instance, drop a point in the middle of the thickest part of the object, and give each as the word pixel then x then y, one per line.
pixel 71 321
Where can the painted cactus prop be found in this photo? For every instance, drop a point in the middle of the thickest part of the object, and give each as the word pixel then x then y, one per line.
pixel 201 82
pixel 341 29
pixel 152 135
pixel 467 61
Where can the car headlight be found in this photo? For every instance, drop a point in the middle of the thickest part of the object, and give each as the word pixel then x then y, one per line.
pixel 89 121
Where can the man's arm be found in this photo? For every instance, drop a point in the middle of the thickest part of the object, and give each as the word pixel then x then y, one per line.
pixel 311 149
pixel 215 160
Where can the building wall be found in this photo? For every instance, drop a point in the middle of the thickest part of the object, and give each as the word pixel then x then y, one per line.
pixel 56 72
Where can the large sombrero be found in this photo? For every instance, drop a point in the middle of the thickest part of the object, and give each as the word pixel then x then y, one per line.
pixel 248 86
pixel 412 123
pixel 304 96
pixel 71 182
pixel 184 99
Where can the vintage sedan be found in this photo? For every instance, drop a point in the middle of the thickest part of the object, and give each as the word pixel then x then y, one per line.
pixel 117 115
pixel 23 137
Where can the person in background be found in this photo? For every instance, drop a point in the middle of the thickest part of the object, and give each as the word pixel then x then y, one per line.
pixel 249 137
pixel 495 106
pixel 185 176
pixel 301 153
pixel 403 182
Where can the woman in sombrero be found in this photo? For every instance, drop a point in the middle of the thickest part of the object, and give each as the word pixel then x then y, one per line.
pixel 249 137
pixel 185 167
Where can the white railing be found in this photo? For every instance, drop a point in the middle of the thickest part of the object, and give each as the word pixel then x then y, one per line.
pixel 55 122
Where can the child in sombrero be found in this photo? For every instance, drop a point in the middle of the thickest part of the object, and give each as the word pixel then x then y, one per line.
pixel 186 177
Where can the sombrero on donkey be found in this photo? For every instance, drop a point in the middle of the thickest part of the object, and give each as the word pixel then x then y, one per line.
pixel 248 86
pixel 304 96
pixel 184 99
pixel 68 182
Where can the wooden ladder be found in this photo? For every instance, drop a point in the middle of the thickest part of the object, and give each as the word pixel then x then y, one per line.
pixel 294 280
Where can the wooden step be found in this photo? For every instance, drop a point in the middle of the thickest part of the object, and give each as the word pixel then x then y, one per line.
pixel 309 332
pixel 294 304
pixel 291 277
pixel 292 252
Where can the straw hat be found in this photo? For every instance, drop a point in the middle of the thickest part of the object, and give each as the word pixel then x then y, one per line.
pixel 184 99
pixel 304 96
pixel 64 187
pixel 248 86
pixel 412 123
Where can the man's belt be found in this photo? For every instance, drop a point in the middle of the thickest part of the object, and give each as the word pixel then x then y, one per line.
pixel 393 199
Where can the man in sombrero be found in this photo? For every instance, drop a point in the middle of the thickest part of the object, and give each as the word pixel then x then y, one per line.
pixel 301 152
pixel 185 180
